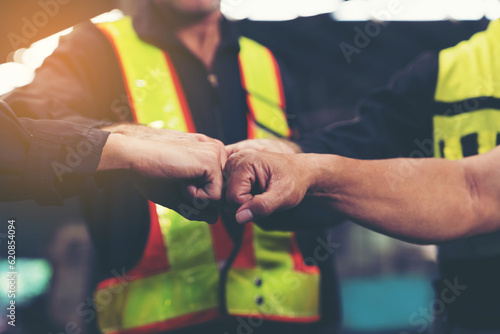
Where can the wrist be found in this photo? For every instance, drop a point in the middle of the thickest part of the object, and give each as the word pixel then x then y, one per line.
pixel 289 147
pixel 115 153
pixel 307 164
pixel 320 171
pixel 123 128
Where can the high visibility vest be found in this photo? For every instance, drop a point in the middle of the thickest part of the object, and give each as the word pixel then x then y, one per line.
pixel 469 87
pixel 176 283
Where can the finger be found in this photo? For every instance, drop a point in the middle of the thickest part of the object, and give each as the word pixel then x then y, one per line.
pixel 260 206
pixel 234 160
pixel 213 189
pixel 241 181
pixel 209 188
pixel 231 149
pixel 202 138
pixel 223 155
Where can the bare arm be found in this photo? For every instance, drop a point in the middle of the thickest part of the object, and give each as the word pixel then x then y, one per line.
pixel 419 200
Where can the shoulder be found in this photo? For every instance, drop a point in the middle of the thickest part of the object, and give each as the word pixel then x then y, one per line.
pixel 85 39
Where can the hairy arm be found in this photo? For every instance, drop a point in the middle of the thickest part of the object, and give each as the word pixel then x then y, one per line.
pixel 418 200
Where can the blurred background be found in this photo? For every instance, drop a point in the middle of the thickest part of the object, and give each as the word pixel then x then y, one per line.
pixel 384 283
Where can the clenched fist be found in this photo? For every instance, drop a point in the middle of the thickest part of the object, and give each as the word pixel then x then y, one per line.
pixel 261 183
pixel 171 168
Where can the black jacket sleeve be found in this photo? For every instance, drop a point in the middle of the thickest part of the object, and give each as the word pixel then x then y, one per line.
pixel 393 121
pixel 46 160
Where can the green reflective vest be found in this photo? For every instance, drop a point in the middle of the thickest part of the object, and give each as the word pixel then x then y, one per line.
pixel 176 283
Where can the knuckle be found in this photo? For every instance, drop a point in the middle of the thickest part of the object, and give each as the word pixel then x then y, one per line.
pixel 232 197
pixel 201 137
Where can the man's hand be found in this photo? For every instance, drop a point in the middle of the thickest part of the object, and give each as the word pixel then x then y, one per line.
pixel 139 131
pixel 265 145
pixel 261 183
pixel 171 172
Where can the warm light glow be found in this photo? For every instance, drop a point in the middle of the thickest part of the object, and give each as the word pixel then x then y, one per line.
pixel 113 15
pixel 492 9
pixel 355 10
pixel 276 10
pixel 14 75
pixel 21 71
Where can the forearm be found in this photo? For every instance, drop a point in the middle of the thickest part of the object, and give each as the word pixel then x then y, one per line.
pixel 115 154
pixel 419 200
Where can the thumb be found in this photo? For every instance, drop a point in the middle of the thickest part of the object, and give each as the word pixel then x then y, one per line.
pixel 260 206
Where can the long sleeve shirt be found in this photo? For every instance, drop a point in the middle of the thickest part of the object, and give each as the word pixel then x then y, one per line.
pixel 442 105
pixel 46 160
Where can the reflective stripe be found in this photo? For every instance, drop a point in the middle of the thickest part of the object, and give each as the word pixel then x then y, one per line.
pixel 265 97
pixel 192 277
pixel 187 292
pixel 151 85
pixel 471 68
pixel 153 299
pixel 450 129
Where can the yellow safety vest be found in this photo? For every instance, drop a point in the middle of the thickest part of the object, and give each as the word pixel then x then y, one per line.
pixel 176 283
pixel 469 80
pixel 469 73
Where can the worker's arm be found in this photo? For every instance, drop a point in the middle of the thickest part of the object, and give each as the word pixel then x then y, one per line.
pixel 76 83
pixel 48 160
pixel 418 200
pixel 393 121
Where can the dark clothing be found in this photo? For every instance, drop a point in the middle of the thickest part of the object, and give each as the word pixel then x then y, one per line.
pixel 34 158
pixel 82 82
pixel 397 121
pixel 391 122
